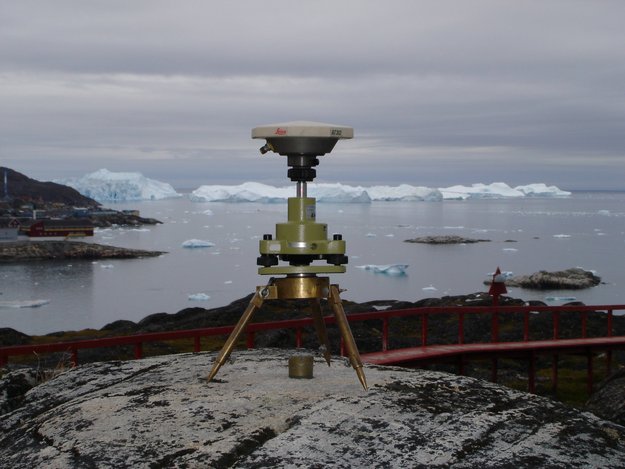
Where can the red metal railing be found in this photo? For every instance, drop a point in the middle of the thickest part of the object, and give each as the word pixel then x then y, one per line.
pixel 496 312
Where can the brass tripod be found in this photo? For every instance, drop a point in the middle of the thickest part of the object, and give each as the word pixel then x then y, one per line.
pixel 299 287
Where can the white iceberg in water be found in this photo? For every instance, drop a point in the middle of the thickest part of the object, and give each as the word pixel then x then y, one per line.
pixel 502 277
pixel 560 298
pixel 107 186
pixel 23 303
pixel 338 193
pixel 481 191
pixel 197 243
pixel 404 193
pixel 542 190
pixel 342 193
pixel 246 192
pixel 387 269
pixel 498 190
pixel 263 193
pixel 199 297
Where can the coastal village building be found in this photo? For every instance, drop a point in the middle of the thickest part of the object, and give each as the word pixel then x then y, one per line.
pixel 70 227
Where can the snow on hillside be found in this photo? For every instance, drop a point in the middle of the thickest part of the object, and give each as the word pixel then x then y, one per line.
pixel 107 186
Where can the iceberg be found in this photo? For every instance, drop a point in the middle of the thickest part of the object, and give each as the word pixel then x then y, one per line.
pixel 542 190
pixel 197 243
pixel 404 193
pixel 199 297
pixel 498 190
pixel 107 186
pixel 338 193
pixel 23 303
pixel 560 298
pixel 502 277
pixel 263 193
pixel 388 269
pixel 246 192
pixel 342 193
pixel 495 190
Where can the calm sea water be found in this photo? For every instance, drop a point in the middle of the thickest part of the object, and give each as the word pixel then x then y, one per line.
pixel 530 234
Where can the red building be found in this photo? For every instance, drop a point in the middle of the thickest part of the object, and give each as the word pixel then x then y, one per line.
pixel 64 228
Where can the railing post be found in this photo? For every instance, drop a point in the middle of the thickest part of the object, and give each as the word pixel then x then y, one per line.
pixel 138 350
pixel 584 323
pixel 610 314
pixel 74 357
pixel 494 326
pixel 342 347
pixel 385 334
pixel 461 327
pixel 196 344
pixel 424 329
pixel 250 339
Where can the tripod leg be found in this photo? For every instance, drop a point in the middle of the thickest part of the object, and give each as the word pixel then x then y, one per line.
pixel 320 327
pixel 255 303
pixel 346 333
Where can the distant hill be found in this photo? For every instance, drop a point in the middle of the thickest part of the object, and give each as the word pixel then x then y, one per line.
pixel 24 188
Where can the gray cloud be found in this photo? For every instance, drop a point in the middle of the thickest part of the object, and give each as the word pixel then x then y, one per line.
pixel 438 92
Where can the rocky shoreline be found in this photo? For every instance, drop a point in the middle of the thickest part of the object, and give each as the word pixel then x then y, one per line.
pixel 21 251
pixel 442 329
pixel 569 279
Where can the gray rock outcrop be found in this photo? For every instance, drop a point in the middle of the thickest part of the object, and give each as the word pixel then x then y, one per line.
pixel 570 279
pixel 160 412
pixel 17 251
pixel 608 401
pixel 445 239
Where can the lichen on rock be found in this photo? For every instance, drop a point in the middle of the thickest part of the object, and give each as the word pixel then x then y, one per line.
pixel 161 412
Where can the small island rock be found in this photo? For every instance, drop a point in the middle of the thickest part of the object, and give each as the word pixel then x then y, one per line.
pixel 18 251
pixel 445 239
pixel 570 279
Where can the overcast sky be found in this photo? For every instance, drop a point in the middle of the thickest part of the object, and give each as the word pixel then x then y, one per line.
pixel 438 92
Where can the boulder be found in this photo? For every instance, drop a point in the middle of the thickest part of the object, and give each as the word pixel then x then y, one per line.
pixel 14 385
pixel 608 401
pixel 570 279
pixel 161 412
